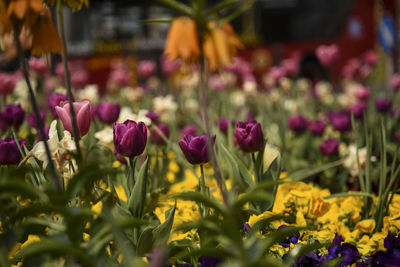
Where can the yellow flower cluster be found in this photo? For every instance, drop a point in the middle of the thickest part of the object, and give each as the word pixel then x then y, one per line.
pixel 337 216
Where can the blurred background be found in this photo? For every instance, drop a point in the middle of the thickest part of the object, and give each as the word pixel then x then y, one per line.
pixel 271 30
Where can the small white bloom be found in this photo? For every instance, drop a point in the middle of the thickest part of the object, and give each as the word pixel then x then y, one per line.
pixel 105 137
pixel 238 99
pixel 58 149
pixel 90 92
pixel 191 105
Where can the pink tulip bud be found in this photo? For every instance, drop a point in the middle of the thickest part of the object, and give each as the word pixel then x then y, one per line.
pixel 83 113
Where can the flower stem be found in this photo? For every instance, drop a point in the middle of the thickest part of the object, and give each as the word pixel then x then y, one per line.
pixel 204 104
pixel 67 76
pixel 132 166
pixel 257 175
pixel 35 108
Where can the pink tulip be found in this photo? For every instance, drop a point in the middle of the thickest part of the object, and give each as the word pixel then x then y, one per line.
pixel 371 58
pixel 7 83
pixel 327 54
pixel 395 82
pixel 83 112
pixel 362 93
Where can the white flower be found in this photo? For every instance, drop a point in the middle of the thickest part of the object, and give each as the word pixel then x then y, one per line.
pixel 238 99
pixel 350 161
pixel 191 105
pixel 59 149
pixel 90 92
pixel 165 107
pixel 127 114
pixel 131 94
pixel 105 137
pixel 250 87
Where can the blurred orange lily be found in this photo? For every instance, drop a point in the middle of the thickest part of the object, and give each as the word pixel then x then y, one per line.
pixel 182 40
pixel 220 45
pixel 45 38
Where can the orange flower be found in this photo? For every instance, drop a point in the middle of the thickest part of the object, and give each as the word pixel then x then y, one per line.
pixel 220 45
pixel 45 37
pixel 5 25
pixel 25 9
pixel 182 41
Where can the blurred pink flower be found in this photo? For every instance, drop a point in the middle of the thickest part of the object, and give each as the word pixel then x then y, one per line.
pixel 371 58
pixel 147 68
pixel 327 54
pixel 395 82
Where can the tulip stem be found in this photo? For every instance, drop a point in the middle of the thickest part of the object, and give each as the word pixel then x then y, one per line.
pixel 204 105
pixel 257 175
pixel 67 76
pixel 40 123
pixel 132 166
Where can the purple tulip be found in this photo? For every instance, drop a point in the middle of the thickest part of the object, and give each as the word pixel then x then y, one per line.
pixel 9 153
pixel 223 125
pixel 297 123
pixel 329 147
pixel 249 136
pixel 153 117
pixel 195 148
pixel 108 112
pixel 55 100
pixel 32 119
pixel 11 115
pixel 156 137
pixel 358 110
pixel 383 105
pixel 130 138
pixel 340 120
pixel 317 127
pixel 83 112
pixel 189 129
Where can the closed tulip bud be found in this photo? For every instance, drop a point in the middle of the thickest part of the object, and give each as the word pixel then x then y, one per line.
pixel 108 112
pixel 249 136
pixel 156 137
pixel 340 120
pixel 83 113
pixel 317 127
pixel 329 147
pixel 11 116
pixel 130 138
pixel 9 153
pixel 383 105
pixel 55 100
pixel 297 123
pixel 195 148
